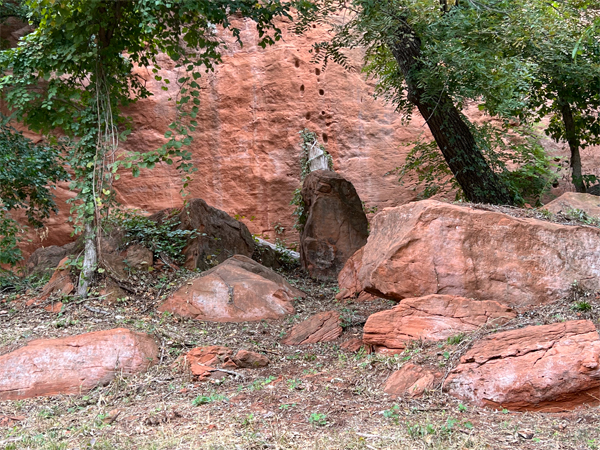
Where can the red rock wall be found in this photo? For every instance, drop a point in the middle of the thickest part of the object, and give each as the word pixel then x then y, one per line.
pixel 246 147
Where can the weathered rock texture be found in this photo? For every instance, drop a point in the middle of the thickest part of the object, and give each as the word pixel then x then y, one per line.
pixel 544 368
pixel 220 236
pixel 246 146
pixel 430 318
pixel 322 327
pixel 237 290
pixel 336 225
pixel 429 247
pixel 46 259
pixel 202 361
pixel 74 364
pixel 412 381
pixel 570 201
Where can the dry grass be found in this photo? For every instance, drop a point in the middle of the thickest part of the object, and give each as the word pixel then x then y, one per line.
pixel 310 397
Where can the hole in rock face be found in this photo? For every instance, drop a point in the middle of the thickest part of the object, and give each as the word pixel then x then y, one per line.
pixel 325 138
pixel 321 92
pixel 323 113
pixel 297 63
pixel 317 71
pixel 314 26
pixel 302 88
pixel 307 116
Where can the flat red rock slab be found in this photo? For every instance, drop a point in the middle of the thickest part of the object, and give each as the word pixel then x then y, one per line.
pixel 322 327
pixel 412 381
pixel 430 318
pixel 540 368
pixel 74 364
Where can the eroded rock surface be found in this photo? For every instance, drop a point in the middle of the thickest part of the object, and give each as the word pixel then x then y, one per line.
pixel 429 247
pixel 322 327
pixel 336 225
pixel 75 364
pixel 543 368
pixel 430 318
pixel 236 290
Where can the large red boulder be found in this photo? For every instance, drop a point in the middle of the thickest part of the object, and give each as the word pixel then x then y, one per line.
pixel 542 368
pixel 219 236
pixel 75 364
pixel 429 247
pixel 430 318
pixel 237 290
pixel 336 225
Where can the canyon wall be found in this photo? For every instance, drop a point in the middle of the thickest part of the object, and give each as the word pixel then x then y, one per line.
pixel 246 147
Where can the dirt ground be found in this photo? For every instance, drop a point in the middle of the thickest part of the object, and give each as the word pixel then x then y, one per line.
pixel 310 397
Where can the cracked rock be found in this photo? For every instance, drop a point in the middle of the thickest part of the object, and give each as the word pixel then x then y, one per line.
pixel 545 368
pixel 430 318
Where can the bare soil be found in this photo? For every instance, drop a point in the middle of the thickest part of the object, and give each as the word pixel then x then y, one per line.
pixel 309 397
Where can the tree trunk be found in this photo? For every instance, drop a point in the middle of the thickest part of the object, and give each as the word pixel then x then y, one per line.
pixel 452 135
pixel 90 258
pixel 571 136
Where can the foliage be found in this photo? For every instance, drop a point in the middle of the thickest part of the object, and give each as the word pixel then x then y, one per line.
pixel 162 237
pixel 74 74
pixel 514 153
pixel 28 173
pixel 318 419
pixel 205 399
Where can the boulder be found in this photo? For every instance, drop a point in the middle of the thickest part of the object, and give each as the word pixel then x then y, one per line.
pixel 353 345
pixel 322 327
pixel 571 201
pixel 541 368
pixel 61 283
pixel 74 364
pixel 220 236
pixel 430 318
pixel 336 225
pixel 429 247
pixel 411 381
pixel 250 360
pixel 237 290
pixel 350 285
pixel 46 259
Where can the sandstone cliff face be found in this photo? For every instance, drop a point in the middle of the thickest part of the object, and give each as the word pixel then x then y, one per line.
pixel 246 147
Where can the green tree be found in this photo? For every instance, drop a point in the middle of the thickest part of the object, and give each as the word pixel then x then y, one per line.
pixel 74 74
pixel 396 35
pixel 28 172
pixel 517 59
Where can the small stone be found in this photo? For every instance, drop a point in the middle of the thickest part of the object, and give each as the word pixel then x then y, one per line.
pixel 251 360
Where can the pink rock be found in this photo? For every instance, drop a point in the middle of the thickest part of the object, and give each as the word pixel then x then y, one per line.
pixel 570 201
pixel 429 247
pixel 236 290
pixel 541 368
pixel 430 318
pixel 74 364
pixel 411 380
pixel 322 327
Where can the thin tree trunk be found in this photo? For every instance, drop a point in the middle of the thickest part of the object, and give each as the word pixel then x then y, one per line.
pixel 571 136
pixel 452 135
pixel 90 258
